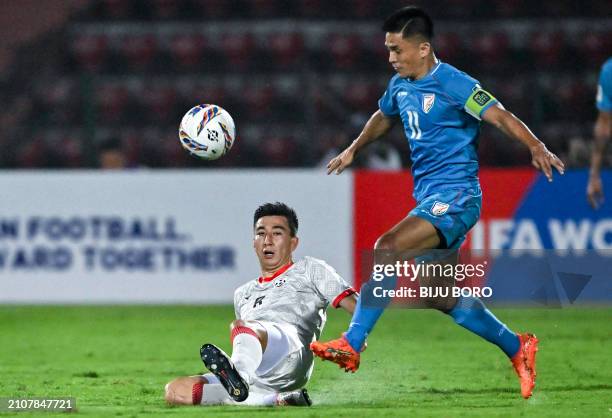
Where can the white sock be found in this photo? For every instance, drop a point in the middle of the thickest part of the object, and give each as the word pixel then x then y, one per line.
pixel 215 394
pixel 259 399
pixel 246 352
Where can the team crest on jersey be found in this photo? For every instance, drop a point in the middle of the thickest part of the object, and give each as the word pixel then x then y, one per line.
pixel 280 282
pixel 428 101
pixel 439 208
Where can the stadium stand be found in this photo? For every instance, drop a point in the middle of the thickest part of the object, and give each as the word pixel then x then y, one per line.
pixel 295 74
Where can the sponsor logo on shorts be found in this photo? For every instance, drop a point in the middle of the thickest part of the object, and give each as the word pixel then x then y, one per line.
pixel 428 101
pixel 439 208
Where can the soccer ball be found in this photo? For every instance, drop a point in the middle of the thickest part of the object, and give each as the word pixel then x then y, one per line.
pixel 207 131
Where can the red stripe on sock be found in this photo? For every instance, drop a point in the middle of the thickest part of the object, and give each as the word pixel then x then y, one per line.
pixel 196 393
pixel 242 330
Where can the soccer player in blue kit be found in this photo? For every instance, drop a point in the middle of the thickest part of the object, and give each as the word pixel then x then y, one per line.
pixel 602 131
pixel 441 109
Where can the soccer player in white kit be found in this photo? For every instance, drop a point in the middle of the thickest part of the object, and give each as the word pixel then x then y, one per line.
pixel 278 315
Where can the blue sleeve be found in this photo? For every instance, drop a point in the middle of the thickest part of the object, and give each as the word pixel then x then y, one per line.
pixel 387 103
pixel 466 92
pixel 604 88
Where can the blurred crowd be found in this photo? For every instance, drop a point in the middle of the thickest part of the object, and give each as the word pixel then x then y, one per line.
pixel 300 77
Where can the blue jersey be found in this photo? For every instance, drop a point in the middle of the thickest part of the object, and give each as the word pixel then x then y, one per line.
pixel 441 116
pixel 604 88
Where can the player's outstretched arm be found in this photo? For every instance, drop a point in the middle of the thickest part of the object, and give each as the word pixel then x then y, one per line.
pixel 541 157
pixel 602 132
pixel 375 127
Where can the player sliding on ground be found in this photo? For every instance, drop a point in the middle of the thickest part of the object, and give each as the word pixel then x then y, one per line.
pixel 440 108
pixel 277 317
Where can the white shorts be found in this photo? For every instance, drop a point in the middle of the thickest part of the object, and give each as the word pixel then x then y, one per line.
pixel 286 364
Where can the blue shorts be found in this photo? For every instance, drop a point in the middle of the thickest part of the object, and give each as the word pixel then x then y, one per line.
pixel 452 212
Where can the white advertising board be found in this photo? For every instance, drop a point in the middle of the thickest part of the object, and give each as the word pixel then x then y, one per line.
pixel 156 236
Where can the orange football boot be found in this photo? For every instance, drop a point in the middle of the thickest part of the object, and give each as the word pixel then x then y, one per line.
pixel 339 351
pixel 524 363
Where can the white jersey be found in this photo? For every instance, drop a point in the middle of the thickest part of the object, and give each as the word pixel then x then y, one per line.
pixel 298 296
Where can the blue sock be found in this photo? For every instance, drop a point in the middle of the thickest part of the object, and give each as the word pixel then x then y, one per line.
pixel 470 313
pixel 369 308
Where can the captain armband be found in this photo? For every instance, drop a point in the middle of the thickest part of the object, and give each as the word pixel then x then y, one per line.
pixel 479 99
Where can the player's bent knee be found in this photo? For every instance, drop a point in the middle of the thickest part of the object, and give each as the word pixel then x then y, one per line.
pixel 169 393
pixel 237 323
pixel 181 391
pixel 173 395
pixel 386 242
pixel 251 327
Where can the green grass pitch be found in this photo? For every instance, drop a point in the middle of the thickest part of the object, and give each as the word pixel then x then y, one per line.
pixel 116 360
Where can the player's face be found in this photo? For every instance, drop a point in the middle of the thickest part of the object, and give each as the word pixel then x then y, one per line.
pixel 273 242
pixel 407 56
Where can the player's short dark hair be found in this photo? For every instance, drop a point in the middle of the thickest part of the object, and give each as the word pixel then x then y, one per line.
pixel 410 21
pixel 278 209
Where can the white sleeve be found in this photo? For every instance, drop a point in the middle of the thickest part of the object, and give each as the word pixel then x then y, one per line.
pixel 237 299
pixel 329 284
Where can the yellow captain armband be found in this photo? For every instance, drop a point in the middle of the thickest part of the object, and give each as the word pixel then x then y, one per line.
pixel 478 100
